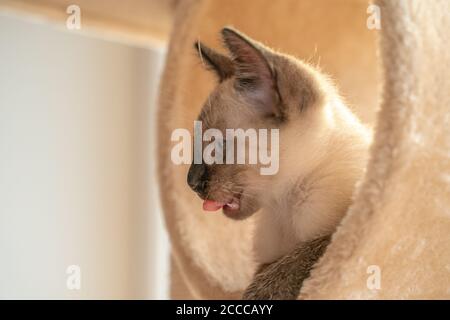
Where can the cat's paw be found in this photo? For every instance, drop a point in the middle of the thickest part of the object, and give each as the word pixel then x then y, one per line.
pixel 272 285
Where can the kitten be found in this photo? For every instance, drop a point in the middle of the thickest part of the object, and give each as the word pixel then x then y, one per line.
pixel 322 154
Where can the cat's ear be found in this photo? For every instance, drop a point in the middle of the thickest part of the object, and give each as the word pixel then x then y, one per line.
pixel 222 65
pixel 254 75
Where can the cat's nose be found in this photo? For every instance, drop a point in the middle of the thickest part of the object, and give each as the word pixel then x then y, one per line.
pixel 197 178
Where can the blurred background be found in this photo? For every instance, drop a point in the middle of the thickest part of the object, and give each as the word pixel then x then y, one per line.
pixel 79 211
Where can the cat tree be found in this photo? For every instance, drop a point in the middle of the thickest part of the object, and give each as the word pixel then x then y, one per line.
pixel 395 239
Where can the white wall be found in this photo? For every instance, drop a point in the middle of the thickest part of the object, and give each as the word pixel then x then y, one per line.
pixel 76 166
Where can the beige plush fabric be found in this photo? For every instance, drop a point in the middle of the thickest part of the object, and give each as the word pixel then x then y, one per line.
pixel 211 254
pixel 400 219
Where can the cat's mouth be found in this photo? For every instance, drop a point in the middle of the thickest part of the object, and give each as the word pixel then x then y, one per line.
pixel 230 206
pixel 233 206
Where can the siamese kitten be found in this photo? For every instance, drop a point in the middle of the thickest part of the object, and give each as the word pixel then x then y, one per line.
pixel 322 154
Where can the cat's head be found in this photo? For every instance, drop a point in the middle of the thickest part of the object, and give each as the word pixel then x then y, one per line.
pixel 257 88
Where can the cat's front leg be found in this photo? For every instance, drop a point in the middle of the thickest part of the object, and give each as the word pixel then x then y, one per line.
pixel 283 279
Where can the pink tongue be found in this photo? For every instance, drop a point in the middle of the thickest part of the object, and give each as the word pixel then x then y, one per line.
pixel 210 205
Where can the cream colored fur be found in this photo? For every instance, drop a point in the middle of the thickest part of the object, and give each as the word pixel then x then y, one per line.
pixel 323 148
pixel 323 157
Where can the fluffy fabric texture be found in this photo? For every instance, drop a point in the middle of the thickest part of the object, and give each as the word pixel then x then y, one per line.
pixel 400 219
